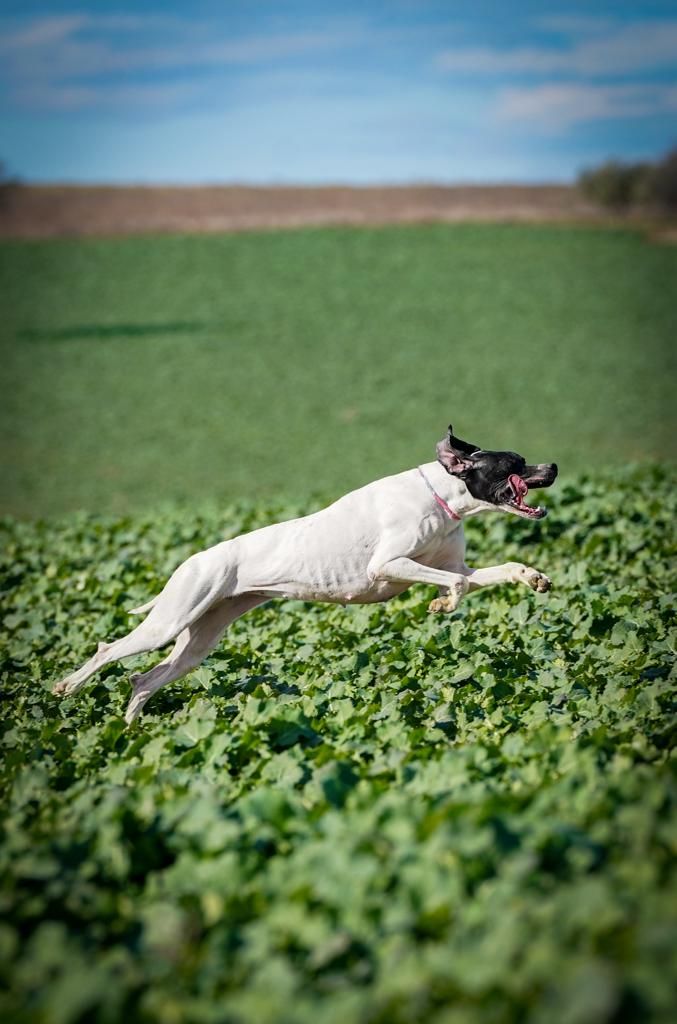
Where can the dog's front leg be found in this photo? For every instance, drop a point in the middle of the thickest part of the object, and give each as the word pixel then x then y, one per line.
pixel 510 572
pixel 406 570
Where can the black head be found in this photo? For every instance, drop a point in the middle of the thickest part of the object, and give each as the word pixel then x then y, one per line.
pixel 501 479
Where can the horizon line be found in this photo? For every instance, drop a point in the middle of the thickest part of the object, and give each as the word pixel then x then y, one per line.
pixel 278 184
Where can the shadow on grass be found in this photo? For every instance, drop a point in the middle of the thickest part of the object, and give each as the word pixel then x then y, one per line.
pixel 114 331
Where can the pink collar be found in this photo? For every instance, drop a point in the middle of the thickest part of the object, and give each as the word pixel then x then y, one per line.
pixel 440 501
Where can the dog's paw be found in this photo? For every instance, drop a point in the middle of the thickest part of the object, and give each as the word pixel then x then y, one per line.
pixel 449 601
pixel 444 604
pixel 538 581
pixel 59 688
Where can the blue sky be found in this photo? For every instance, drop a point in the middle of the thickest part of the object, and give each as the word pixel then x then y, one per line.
pixel 313 92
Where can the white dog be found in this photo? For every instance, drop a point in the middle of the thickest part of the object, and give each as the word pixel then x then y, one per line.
pixel 368 546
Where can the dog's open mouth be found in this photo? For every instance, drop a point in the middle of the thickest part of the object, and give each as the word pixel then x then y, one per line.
pixel 516 502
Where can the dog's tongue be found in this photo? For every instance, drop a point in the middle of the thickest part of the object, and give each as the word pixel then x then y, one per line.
pixel 518 485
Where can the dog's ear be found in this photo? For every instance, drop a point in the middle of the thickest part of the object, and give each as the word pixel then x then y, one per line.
pixel 454 454
pixel 463 447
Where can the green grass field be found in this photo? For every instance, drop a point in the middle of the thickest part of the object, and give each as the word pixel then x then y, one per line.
pixel 140 370
pixel 368 815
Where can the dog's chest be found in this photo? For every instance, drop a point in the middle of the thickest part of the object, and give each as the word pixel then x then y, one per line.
pixel 443 550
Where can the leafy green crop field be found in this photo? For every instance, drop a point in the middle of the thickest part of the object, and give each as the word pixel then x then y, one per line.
pixel 139 370
pixel 348 816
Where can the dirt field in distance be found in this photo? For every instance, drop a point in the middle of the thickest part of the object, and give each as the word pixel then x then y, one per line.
pixel 32 211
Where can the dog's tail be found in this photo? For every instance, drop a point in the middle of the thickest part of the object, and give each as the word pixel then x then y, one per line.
pixel 143 608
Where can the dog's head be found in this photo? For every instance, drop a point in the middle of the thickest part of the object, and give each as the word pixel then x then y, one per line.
pixel 498 479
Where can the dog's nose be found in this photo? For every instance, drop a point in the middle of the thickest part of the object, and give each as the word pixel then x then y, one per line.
pixel 553 468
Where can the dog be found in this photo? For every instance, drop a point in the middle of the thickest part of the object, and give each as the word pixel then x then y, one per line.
pixel 368 546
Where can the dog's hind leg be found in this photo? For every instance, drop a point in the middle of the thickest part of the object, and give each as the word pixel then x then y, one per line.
pixel 146 637
pixel 188 594
pixel 191 647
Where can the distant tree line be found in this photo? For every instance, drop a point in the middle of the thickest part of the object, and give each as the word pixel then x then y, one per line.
pixel 6 178
pixel 8 186
pixel 623 185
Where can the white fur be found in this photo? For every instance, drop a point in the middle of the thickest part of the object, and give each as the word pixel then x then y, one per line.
pixel 368 546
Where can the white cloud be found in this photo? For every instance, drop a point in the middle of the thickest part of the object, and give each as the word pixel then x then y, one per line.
pixel 575 24
pixel 82 97
pixel 485 61
pixel 557 106
pixel 642 46
pixel 53 62
pixel 39 32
